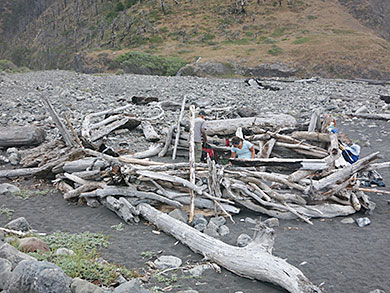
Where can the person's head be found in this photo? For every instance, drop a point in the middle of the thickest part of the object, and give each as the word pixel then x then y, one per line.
pixel 345 139
pixel 236 141
pixel 202 113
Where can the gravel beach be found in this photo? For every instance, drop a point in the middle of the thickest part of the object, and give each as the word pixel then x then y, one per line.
pixel 336 256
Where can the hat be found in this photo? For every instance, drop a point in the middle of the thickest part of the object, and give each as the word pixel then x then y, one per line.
pixel 201 112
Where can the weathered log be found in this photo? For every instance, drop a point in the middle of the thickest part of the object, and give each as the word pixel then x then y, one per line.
pixel 192 162
pixel 143 100
pixel 66 135
pixel 120 122
pixel 84 164
pixel 267 149
pixel 83 188
pixel 341 175
pixel 21 136
pixel 130 191
pixel 153 150
pixel 178 129
pixel 168 140
pixel 87 126
pixel 372 116
pixel 255 124
pixel 253 261
pixel 294 164
pixel 149 132
pixel 20 172
pixel 313 121
pixel 123 209
pixel 170 178
pixel 314 136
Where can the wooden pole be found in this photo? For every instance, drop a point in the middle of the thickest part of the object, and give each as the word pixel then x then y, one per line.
pixel 192 162
pixel 178 129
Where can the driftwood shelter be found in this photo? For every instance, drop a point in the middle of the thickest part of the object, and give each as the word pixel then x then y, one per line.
pixel 298 173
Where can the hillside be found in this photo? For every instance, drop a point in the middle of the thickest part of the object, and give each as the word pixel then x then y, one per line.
pixel 328 38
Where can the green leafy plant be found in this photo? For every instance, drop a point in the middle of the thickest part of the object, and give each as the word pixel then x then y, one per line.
pixel 147 254
pixel 26 194
pixel 155 64
pixel 118 227
pixel 6 211
pixel 275 51
pixel 86 262
pixel 301 40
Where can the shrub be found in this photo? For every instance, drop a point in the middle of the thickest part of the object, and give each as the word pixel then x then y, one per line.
pixel 130 3
pixel 155 64
pixel 8 66
pixel 120 71
pixel 301 40
pixel 275 51
pixel 86 262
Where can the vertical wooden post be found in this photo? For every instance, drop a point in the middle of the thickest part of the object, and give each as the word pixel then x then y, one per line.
pixel 178 129
pixel 192 162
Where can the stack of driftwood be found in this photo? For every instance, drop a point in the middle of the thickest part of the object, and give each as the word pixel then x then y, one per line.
pixel 296 174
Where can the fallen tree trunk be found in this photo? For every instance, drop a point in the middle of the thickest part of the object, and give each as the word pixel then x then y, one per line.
pixel 253 261
pixel 21 136
pixel 256 124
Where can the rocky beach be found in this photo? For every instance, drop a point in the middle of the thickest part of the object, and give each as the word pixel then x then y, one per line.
pixel 335 254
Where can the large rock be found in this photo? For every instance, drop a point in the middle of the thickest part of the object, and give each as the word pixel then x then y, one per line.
pixel 5 273
pixel 8 188
pixel 32 244
pixel 133 286
pixel 38 277
pixel 82 286
pixel 207 69
pixel 167 261
pixel 13 255
pixel 19 224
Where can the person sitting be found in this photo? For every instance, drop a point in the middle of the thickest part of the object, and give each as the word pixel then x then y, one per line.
pixel 242 149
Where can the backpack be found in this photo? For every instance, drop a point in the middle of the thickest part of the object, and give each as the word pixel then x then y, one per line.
pixel 207 150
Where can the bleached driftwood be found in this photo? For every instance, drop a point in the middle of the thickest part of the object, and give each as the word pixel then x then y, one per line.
pixel 168 140
pixel 256 124
pixel 178 129
pixel 66 135
pixel 149 132
pixel 192 162
pixel 21 136
pixel 254 261
pixel 314 136
pixel 123 209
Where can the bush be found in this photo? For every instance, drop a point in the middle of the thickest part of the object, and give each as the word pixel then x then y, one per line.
pixel 8 66
pixel 160 65
pixel 86 262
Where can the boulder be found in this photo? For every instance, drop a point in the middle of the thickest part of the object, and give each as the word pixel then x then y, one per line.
pixel 38 277
pixel 19 224
pixel 243 240
pixel 81 286
pixel 5 273
pixel 167 261
pixel 32 244
pixel 13 255
pixel 6 188
pixel 133 286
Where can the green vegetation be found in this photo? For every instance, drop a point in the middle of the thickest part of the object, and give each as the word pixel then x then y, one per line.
pixel 86 262
pixel 167 66
pixel 118 227
pixel 311 17
pixel 301 40
pixel 26 194
pixel 343 32
pixel 275 51
pixel 6 211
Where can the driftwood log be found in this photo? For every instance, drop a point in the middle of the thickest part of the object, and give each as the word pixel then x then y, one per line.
pixel 21 136
pixel 254 261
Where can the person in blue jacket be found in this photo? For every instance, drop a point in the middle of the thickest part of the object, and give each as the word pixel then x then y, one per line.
pixel 242 149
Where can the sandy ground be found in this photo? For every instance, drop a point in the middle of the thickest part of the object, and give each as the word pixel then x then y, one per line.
pixel 340 257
